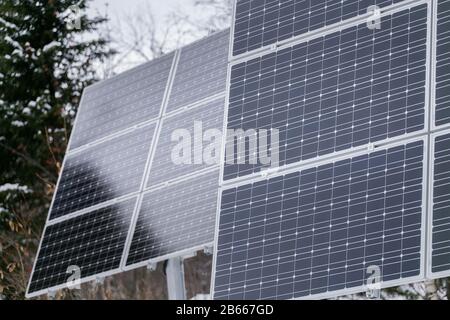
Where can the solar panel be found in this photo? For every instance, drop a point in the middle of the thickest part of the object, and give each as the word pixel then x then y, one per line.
pixel 102 184
pixel 110 170
pixel 94 242
pixel 442 115
pixel 134 97
pixel 261 23
pixel 337 91
pixel 201 71
pixel 440 246
pixel 314 232
pixel 174 218
pixel 208 116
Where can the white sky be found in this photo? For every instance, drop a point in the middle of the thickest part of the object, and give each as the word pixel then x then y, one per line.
pixel 120 7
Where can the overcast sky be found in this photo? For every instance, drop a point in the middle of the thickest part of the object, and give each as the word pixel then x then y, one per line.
pixel 160 7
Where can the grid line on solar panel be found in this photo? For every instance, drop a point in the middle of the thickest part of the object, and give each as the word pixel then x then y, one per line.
pixel 316 231
pixel 168 224
pixel 201 71
pixel 122 102
pixel 336 92
pixel 442 115
pixel 261 23
pixel 94 242
pixel 111 170
pixel 163 168
pixel 440 232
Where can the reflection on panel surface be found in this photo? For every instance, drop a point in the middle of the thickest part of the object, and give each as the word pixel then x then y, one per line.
pixel 175 218
pixel 122 102
pixel 264 22
pixel 107 171
pixel 201 71
pixel 339 91
pixel 440 250
pixel 316 231
pixel 178 131
pixel 93 242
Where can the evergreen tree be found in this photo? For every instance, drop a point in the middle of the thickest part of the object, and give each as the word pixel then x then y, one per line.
pixel 46 59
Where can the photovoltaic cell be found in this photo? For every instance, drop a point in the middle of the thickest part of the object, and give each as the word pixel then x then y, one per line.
pixel 122 102
pixel 201 71
pixel 336 92
pixel 175 218
pixel 178 131
pixel 443 64
pixel 441 205
pixel 259 23
pixel 110 170
pixel 94 242
pixel 318 230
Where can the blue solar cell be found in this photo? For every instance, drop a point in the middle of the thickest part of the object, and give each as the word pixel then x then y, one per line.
pixel 338 91
pixel 120 103
pixel 443 64
pixel 441 205
pixel 164 167
pixel 110 170
pixel 201 71
pixel 318 230
pixel 259 23
pixel 93 242
pixel 175 218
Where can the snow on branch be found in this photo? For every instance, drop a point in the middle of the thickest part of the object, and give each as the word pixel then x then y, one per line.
pixel 8 24
pixel 14 187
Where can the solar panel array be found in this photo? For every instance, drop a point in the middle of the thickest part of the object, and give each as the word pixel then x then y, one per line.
pixel 262 23
pixel 197 181
pixel 442 116
pixel 336 92
pixel 439 224
pixel 317 230
pixel 101 193
pixel 351 103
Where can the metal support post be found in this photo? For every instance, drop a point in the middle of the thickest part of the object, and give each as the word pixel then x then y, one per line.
pixel 175 279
